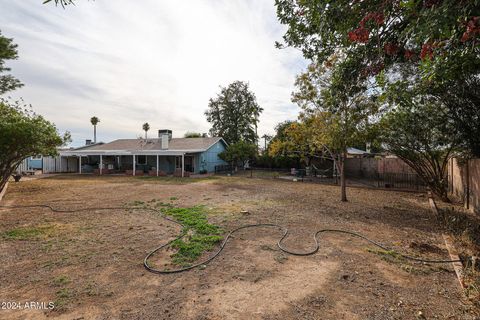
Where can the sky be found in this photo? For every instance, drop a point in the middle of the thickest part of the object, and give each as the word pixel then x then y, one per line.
pixel 156 61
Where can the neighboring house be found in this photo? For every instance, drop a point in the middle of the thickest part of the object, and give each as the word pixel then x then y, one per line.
pixel 159 156
pixel 356 153
pixel 47 164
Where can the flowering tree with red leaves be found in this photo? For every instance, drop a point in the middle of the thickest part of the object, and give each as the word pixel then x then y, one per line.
pixel 389 31
pixel 430 45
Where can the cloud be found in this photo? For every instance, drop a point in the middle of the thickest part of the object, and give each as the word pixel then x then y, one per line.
pixel 157 62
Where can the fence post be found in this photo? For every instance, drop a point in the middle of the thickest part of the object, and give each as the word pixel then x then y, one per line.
pixel 467 202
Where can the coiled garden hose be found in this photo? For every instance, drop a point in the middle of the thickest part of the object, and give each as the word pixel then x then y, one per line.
pixel 229 235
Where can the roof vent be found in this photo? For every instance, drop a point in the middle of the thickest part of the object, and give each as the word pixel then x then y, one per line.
pixel 88 142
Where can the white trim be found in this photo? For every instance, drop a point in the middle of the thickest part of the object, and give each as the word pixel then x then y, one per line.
pixel 128 153
pixel 101 164
pixel 183 164
pixel 157 165
pixel 134 166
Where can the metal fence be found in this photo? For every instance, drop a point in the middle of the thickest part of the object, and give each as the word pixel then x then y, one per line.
pixel 387 180
pixel 403 181
pixel 224 168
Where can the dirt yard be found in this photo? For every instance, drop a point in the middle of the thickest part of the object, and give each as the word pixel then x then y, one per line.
pixel 90 263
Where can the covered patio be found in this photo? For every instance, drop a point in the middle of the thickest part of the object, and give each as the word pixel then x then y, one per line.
pixel 152 163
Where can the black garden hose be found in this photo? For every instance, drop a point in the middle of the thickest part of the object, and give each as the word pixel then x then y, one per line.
pixel 229 235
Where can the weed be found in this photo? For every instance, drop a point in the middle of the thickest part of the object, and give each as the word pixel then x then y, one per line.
pixel 61 280
pixel 395 258
pixel 137 203
pixel 386 254
pixel 193 247
pixel 28 233
pixel 200 236
pixel 162 204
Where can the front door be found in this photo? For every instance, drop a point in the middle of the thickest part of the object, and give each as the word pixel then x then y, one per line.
pixel 189 164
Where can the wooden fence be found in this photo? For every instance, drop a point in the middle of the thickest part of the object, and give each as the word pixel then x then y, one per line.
pixel 464 182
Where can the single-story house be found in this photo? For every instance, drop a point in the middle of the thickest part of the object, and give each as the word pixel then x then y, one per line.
pixel 158 156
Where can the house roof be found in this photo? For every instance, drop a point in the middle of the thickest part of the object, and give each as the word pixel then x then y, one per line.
pixel 355 151
pixel 129 146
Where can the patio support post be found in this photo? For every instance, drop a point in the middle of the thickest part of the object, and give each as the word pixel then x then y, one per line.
pixel 157 165
pixel 183 164
pixel 80 164
pixel 60 163
pixel 133 164
pixel 101 164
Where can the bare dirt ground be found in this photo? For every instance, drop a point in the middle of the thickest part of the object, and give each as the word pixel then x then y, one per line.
pixel 90 264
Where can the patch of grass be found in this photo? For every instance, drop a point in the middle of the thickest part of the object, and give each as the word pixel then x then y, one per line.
pixel 200 236
pixel 28 233
pixel 174 180
pixel 162 204
pixel 192 248
pixel 385 253
pixel 62 298
pixel 61 280
pixel 395 258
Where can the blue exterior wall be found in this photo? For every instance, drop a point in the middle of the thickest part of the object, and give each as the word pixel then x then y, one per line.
pixel 209 159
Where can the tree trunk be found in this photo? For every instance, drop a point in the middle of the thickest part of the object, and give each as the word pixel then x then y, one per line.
pixel 4 178
pixel 343 184
pixel 94 134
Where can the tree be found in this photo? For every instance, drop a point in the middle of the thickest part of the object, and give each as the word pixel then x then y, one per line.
pixel 382 34
pixel 24 133
pixel 393 41
pixel 8 51
pixel 461 99
pixel 266 138
pixel 419 135
pixel 145 128
pixel 189 134
pixel 241 151
pixel 338 112
pixel 63 3
pixel 94 121
pixel 234 114
pixel 296 141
